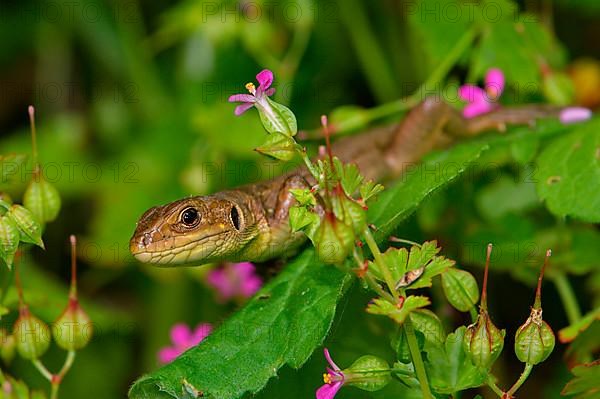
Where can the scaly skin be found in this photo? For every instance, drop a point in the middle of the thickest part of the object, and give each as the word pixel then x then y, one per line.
pixel 250 223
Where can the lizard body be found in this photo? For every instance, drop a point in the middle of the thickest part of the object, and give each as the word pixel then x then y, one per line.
pixel 250 223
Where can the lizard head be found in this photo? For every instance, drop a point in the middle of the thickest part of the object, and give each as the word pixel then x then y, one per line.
pixel 193 230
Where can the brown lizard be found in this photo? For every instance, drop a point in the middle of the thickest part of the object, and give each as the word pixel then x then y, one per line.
pixel 250 223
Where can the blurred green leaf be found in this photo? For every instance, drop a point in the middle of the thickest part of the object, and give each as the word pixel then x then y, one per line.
pixel 571 332
pixel 448 367
pixel 585 383
pixel 569 173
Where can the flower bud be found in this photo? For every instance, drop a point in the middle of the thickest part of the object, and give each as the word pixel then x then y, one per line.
pixel 32 335
pixel 28 224
pixel 42 199
pixel 483 341
pixel 369 373
pixel 73 328
pixel 460 288
pixel 355 215
pixel 7 346
pixel 334 240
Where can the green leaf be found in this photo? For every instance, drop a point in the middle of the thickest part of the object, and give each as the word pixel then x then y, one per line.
pixel 300 217
pixel 369 190
pixel 281 325
pixel 278 118
pixel 427 323
pixel 9 239
pixel 460 288
pixel 411 303
pixel 28 224
pixel 571 332
pixel 522 197
pixel 278 146
pixel 585 383
pixel 569 173
pixel 448 367
pixel 350 176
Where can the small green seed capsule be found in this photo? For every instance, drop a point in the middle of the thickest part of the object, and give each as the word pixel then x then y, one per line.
pixel 369 373
pixel 7 346
pixel 32 335
pixel 483 341
pixel 28 224
pixel 534 340
pixel 42 199
pixel 73 328
pixel 334 240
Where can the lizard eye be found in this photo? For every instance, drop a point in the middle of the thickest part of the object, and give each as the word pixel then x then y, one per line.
pixel 190 217
pixel 235 218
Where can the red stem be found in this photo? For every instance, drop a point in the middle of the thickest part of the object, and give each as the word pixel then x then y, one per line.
pixel 538 291
pixel 73 291
pixel 485 277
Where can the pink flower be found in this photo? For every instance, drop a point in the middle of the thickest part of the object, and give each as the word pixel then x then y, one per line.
pixel 574 115
pixel 183 339
pixel 482 101
pixel 334 379
pixel 235 280
pixel 256 96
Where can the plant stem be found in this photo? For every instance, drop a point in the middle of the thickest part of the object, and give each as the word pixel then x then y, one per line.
pixel 289 65
pixel 473 313
pixel 567 296
pixel 417 360
pixel 42 369
pixel 436 77
pixel 521 380
pixel 492 384
pixel 370 55
pixel 387 275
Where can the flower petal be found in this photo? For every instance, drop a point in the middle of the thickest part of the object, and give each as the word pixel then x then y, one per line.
pixel 242 98
pixel 328 391
pixel 494 81
pixel 574 115
pixel 240 109
pixel 200 332
pixel 265 78
pixel 329 360
pixel 270 92
pixel 167 355
pixel 180 334
pixel 472 94
pixel 475 109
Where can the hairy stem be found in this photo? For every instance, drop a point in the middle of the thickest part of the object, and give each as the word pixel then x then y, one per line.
pixel 417 360
pixel 492 384
pixel 521 380
pixel 387 275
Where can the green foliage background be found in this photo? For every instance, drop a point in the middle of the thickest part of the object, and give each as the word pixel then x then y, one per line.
pixel 132 112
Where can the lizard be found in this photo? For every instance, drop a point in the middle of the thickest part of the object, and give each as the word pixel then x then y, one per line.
pixel 251 222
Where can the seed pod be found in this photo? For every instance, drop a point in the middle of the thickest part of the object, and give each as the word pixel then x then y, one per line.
pixel 535 340
pixel 368 373
pixel 42 199
pixel 7 346
pixel 73 328
pixel 9 239
pixel 483 341
pixel 334 240
pixel 28 224
pixel 32 335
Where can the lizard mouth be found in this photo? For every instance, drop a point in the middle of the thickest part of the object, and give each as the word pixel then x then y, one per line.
pixel 172 250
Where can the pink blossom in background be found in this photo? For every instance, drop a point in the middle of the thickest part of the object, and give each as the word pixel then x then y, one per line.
pixel 234 280
pixel 574 114
pixel 257 95
pixel 481 101
pixel 334 379
pixel 183 338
